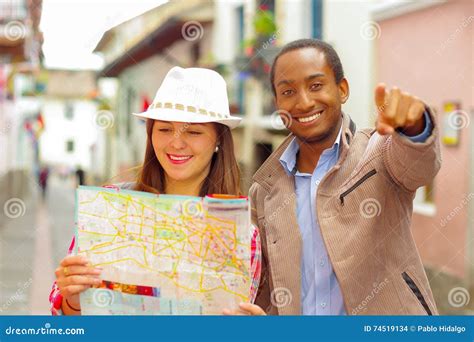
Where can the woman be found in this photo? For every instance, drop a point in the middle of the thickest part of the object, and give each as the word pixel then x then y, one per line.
pixel 189 151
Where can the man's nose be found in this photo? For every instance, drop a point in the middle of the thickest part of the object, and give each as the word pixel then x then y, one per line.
pixel 305 102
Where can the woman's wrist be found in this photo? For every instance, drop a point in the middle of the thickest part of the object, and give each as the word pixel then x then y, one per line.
pixel 72 307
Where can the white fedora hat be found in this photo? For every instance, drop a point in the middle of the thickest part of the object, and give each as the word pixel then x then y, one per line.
pixel 194 95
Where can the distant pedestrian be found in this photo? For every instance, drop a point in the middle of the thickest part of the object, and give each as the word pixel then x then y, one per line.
pixel 43 180
pixel 81 175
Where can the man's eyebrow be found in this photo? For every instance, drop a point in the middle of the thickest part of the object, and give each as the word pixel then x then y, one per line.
pixel 284 82
pixel 308 78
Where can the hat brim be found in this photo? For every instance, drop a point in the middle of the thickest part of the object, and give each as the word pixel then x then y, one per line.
pixel 167 114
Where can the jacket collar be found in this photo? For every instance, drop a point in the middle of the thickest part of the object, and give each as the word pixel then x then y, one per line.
pixel 272 170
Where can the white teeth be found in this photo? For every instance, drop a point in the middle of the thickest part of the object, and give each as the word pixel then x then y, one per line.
pixel 179 158
pixel 310 118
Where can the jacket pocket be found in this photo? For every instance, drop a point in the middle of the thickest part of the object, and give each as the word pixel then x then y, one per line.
pixel 416 291
pixel 357 184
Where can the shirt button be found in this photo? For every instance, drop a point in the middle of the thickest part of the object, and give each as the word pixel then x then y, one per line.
pixel 321 263
pixel 323 305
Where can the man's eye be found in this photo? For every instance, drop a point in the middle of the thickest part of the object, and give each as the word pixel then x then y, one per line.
pixel 164 130
pixel 287 92
pixel 316 86
pixel 194 132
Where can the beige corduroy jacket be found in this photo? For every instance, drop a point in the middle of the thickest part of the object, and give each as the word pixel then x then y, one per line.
pixel 364 207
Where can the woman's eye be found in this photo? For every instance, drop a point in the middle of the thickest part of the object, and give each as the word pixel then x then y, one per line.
pixel 287 92
pixel 194 132
pixel 164 130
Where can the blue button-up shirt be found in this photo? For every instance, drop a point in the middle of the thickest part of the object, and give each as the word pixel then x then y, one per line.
pixel 320 291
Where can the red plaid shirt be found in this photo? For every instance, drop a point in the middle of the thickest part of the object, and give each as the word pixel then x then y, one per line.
pixel 56 299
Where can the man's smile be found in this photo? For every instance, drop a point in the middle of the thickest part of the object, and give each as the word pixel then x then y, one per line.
pixel 310 117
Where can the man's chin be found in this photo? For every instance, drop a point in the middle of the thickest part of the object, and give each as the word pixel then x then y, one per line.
pixel 312 137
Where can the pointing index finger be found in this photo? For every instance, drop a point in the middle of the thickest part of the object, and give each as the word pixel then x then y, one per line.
pixel 380 96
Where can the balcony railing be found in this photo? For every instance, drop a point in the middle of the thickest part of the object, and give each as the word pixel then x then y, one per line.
pixel 12 10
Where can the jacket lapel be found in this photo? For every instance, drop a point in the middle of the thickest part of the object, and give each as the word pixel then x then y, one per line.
pixel 282 233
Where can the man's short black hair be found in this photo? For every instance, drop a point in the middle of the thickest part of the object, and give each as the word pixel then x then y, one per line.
pixel 332 58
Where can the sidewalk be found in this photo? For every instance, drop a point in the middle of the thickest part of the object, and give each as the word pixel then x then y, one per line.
pixel 32 242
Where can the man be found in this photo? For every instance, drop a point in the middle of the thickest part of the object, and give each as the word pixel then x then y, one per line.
pixel 334 204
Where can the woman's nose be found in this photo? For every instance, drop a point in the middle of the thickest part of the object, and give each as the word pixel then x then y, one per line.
pixel 178 142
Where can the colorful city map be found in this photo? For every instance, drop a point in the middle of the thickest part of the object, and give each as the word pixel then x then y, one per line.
pixel 163 254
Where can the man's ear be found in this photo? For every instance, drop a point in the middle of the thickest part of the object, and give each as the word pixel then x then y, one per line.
pixel 343 90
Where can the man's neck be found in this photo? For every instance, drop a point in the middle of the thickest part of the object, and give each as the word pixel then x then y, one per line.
pixel 310 152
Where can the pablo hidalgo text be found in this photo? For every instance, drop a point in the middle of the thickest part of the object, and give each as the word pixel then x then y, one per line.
pixel 442 328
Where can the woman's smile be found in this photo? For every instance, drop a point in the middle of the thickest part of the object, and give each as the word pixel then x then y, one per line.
pixel 178 159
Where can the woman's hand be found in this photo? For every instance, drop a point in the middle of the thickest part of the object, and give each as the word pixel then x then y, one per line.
pixel 246 309
pixel 73 276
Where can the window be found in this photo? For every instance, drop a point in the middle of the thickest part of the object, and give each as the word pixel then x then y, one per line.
pixel 131 97
pixel 69 111
pixel 12 10
pixel 195 53
pixel 240 79
pixel 240 29
pixel 317 13
pixel 424 201
pixel 70 146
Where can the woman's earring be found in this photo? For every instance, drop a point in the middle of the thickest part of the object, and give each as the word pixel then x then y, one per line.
pixel 216 149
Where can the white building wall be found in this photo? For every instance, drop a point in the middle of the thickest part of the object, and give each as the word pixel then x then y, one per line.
pixel 348 28
pixel 293 20
pixel 225 37
pixel 58 130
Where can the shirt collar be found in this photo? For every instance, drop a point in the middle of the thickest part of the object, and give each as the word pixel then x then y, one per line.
pixel 288 157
